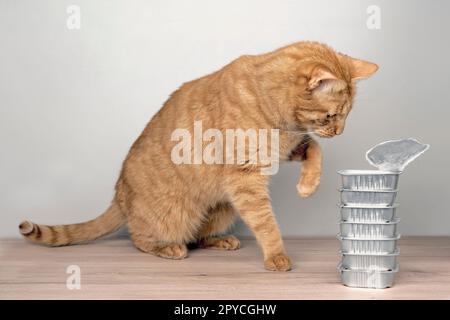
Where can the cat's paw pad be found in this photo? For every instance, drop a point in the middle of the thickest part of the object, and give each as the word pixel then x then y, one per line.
pixel 280 262
pixel 308 185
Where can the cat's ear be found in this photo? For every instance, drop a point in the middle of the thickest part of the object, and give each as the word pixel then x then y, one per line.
pixel 362 69
pixel 321 79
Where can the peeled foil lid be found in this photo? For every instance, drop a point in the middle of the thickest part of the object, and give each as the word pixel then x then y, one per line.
pixel 395 155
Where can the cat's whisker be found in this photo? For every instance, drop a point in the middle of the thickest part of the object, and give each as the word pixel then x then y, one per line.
pixel 298 132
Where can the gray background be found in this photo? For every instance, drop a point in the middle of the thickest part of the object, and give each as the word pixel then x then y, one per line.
pixel 73 101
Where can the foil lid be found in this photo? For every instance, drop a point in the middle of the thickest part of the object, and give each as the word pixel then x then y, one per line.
pixel 395 155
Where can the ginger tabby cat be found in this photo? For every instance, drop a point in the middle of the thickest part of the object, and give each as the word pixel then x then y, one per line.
pixel 299 89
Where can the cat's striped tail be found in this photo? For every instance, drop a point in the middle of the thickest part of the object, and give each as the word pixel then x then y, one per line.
pixel 62 235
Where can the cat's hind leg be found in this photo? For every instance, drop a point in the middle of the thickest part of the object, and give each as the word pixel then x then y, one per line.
pixel 162 234
pixel 147 242
pixel 219 220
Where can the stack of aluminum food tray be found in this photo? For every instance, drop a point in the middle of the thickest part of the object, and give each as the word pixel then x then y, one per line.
pixel 368 228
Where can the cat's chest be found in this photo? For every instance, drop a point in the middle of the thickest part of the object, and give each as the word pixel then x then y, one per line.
pixel 288 143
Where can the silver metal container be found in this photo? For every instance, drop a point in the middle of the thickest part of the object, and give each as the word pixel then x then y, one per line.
pixel 368 245
pixel 367 213
pixel 375 279
pixel 374 197
pixel 369 229
pixel 369 179
pixel 356 261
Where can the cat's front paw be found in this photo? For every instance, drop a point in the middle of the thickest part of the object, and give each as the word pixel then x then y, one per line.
pixel 308 185
pixel 279 262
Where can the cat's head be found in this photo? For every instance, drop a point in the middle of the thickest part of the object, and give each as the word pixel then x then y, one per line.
pixel 325 88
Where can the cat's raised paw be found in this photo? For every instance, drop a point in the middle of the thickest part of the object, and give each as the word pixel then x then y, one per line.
pixel 280 262
pixel 228 242
pixel 308 185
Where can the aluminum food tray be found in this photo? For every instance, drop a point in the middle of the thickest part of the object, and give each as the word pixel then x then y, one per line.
pixel 356 261
pixel 372 197
pixel 368 245
pixel 367 278
pixel 367 213
pixel 369 179
pixel 369 229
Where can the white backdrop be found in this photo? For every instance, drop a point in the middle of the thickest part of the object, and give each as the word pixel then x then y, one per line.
pixel 73 101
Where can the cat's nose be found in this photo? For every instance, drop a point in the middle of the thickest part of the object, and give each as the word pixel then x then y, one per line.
pixel 338 131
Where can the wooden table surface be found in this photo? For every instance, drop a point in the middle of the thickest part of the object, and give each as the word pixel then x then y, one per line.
pixel 113 269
